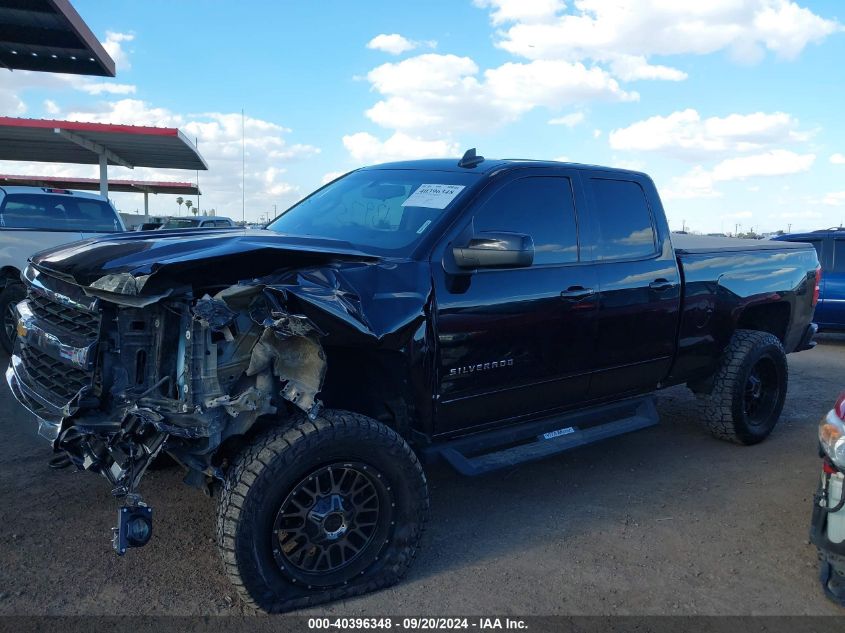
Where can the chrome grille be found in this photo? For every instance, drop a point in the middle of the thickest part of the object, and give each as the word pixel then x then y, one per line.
pixel 63 381
pixel 66 318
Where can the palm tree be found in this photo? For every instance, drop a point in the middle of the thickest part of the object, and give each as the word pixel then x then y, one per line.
pixel 189 204
pixel 179 201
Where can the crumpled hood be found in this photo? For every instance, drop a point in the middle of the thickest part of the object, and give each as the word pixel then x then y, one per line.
pixel 356 297
pixel 233 254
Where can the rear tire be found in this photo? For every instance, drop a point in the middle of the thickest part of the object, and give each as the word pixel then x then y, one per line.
pixel 748 390
pixel 314 511
pixel 11 296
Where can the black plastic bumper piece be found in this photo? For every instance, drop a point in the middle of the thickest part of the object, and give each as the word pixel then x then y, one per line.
pixel 807 341
pixel 831 555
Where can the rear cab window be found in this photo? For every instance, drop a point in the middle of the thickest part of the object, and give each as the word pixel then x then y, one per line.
pixel 39 212
pixel 839 255
pixel 623 222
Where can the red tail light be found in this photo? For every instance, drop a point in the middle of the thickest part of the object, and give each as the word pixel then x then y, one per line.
pixel 817 289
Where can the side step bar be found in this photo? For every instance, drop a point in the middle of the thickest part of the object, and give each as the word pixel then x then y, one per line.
pixel 502 448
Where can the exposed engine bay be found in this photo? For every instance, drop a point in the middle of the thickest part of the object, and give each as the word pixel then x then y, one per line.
pixel 126 366
pixel 175 374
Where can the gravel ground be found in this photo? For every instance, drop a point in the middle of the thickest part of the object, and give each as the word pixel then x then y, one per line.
pixel 663 521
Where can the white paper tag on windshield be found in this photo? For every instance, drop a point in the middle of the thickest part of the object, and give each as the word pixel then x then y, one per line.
pixel 433 196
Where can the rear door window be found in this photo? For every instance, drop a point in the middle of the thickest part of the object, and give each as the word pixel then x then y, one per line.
pixel 839 256
pixel 624 226
pixel 57 213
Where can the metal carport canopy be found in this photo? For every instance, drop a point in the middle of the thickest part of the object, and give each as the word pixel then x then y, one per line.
pixel 97 143
pixel 49 36
pixel 92 184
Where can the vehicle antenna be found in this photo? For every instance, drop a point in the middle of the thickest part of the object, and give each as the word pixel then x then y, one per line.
pixel 470 159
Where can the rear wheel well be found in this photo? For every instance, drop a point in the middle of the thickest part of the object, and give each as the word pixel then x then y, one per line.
pixel 769 317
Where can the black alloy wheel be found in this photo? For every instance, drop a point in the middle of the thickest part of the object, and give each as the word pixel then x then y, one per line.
pixel 762 390
pixel 330 521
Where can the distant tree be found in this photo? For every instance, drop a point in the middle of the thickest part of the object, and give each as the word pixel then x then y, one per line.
pixel 179 201
pixel 189 204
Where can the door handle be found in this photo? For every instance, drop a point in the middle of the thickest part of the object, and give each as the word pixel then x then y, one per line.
pixel 660 285
pixel 576 293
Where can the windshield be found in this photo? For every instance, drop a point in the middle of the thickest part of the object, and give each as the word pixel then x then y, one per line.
pixel 386 211
pixel 57 213
pixel 181 224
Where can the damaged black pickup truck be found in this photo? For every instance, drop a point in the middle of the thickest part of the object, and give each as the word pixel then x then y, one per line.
pixel 480 312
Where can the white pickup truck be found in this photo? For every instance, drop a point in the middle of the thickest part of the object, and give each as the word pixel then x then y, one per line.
pixel 35 218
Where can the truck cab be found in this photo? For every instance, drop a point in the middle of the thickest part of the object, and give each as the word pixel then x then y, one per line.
pixel 483 312
pixel 830 246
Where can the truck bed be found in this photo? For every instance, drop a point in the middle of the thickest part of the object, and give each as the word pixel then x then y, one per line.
pixel 695 244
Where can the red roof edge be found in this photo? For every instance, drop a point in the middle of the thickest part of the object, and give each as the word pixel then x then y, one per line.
pixel 78 126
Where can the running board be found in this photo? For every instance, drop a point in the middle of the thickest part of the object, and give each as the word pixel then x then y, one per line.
pixel 478 454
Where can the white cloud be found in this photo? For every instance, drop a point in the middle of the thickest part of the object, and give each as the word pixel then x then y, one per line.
pixel 366 148
pixel 569 120
pixel 600 30
pixel 529 11
pixel 636 67
pixel 396 44
pixel 699 182
pixel 778 162
pixel 114 47
pixel 332 175
pixel 10 103
pixel 837 159
pixel 696 183
pixel 684 134
pixel 442 94
pixel 801 214
pixel 834 199
pixel 737 215
pixel 51 107
pixel 102 87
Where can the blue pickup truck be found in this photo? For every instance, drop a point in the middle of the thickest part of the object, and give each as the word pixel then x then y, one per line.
pixel 830 245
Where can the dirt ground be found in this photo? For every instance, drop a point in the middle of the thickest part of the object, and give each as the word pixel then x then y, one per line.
pixel 663 521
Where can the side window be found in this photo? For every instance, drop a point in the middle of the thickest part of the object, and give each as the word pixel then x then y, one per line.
pixel 542 207
pixel 32 212
pixel 623 220
pixel 839 256
pixel 57 213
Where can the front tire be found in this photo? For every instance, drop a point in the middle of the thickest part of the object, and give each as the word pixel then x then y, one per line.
pixel 12 294
pixel 748 390
pixel 318 511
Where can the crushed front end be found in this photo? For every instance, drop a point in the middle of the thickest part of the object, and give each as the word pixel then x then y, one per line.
pixel 115 377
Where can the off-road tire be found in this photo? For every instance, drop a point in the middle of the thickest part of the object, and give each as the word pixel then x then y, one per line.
pixel 9 297
pixel 262 478
pixel 723 410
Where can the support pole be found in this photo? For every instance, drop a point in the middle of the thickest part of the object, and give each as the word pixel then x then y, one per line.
pixel 146 206
pixel 104 176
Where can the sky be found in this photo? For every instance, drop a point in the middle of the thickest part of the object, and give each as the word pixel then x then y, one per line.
pixel 732 106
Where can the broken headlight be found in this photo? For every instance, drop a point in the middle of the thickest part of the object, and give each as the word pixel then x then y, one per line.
pixel 832 433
